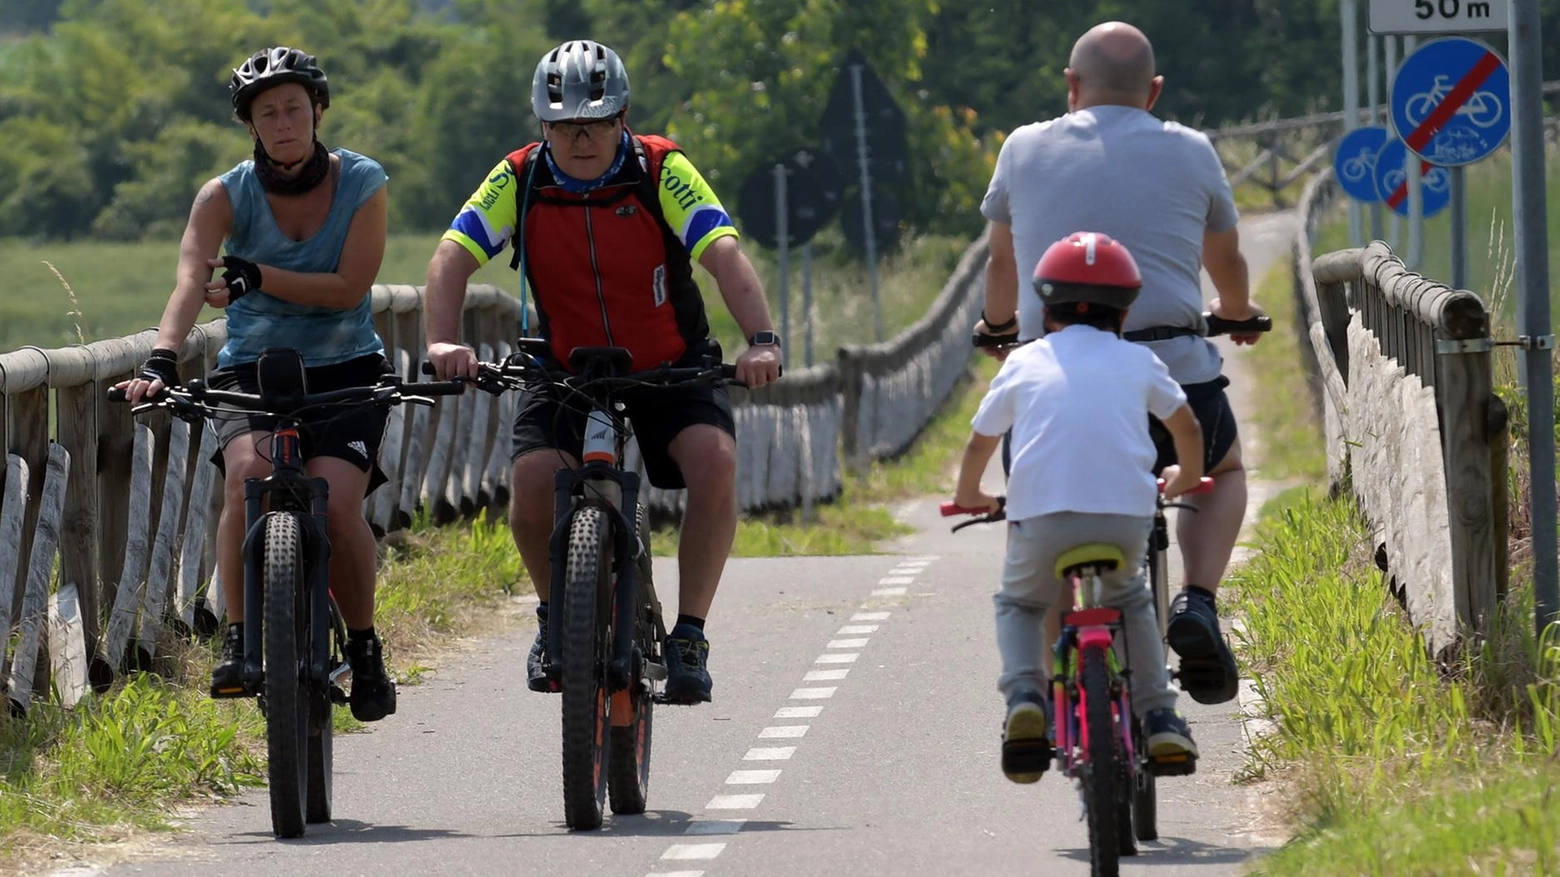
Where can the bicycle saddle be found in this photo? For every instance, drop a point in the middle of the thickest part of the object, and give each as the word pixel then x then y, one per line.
pixel 1099 554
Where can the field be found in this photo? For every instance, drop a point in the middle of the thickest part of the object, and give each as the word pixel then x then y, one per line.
pixel 119 289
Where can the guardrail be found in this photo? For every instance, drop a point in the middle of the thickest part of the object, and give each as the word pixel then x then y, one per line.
pixel 129 508
pixel 1402 372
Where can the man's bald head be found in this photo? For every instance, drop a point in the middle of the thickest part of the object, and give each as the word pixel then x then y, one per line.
pixel 1113 63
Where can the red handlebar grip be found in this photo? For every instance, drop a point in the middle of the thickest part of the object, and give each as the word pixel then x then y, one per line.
pixel 950 509
pixel 1203 486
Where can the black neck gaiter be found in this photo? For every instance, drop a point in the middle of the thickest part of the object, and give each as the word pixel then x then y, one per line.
pixel 314 172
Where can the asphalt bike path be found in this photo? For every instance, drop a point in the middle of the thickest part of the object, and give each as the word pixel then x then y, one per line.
pixel 855 731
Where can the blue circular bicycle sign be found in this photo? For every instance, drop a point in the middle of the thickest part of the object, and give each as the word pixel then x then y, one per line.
pixel 1451 101
pixel 1391 178
pixel 1354 162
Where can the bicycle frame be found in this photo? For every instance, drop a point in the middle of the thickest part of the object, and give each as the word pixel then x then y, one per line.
pixel 1093 626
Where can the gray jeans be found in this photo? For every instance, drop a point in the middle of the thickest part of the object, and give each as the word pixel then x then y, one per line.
pixel 1030 587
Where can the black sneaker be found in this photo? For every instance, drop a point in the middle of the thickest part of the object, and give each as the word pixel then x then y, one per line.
pixel 1026 738
pixel 1169 742
pixel 1208 671
pixel 373 692
pixel 687 653
pixel 536 662
pixel 227 678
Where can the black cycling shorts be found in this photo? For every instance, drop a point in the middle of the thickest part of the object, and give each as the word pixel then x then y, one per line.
pixel 348 432
pixel 656 414
pixel 1212 409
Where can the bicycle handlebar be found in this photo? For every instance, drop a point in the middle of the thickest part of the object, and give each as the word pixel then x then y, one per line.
pixel 196 399
pixel 1216 326
pixel 512 373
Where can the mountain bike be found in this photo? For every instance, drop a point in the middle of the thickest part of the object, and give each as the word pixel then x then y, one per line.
pixel 606 628
pixel 294 637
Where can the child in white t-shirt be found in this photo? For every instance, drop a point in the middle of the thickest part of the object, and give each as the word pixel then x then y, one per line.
pixel 1077 402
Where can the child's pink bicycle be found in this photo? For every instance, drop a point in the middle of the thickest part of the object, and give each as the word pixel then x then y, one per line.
pixel 1098 741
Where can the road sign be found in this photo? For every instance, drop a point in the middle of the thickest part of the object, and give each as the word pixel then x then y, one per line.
pixel 1450 101
pixel 1437 16
pixel 885 222
pixel 1392 181
pixel 888 154
pixel 1354 164
pixel 814 187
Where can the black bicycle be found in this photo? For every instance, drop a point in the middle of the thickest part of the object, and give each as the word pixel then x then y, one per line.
pixel 294 637
pixel 606 628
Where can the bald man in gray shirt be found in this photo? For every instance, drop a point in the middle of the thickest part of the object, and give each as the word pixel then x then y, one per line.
pixel 1110 166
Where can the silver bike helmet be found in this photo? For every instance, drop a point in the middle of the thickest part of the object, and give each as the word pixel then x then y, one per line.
pixel 581 79
pixel 275 66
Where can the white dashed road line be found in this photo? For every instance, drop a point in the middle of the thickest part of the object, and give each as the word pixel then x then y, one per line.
pixel 850 636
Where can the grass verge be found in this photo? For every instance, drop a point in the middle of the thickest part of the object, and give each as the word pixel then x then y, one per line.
pixel 1285 420
pixel 119 764
pixel 1395 765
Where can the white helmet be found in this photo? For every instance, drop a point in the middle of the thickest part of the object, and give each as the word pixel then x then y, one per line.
pixel 581 79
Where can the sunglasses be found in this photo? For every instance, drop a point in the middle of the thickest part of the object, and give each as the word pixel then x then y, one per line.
pixel 595 128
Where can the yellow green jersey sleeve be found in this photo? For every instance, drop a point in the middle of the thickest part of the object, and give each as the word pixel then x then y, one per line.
pixel 485 224
pixel 690 207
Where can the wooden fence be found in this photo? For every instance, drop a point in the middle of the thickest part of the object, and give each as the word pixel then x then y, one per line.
pixel 1403 373
pixel 107 523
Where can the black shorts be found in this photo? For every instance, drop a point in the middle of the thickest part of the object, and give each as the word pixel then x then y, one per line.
pixel 656 414
pixel 1212 409
pixel 348 432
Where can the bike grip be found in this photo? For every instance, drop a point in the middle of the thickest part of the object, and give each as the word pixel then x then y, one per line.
pixel 1221 326
pixel 116 394
pixel 980 339
pixel 728 371
pixel 950 508
pixel 1204 485
pixel 428 369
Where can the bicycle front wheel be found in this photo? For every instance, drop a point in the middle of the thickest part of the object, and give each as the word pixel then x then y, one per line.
pixel 321 722
pixel 587 577
pixel 286 651
pixel 628 768
pixel 1099 780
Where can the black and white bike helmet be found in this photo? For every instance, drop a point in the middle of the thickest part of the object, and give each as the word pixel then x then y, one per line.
pixel 275 66
pixel 581 79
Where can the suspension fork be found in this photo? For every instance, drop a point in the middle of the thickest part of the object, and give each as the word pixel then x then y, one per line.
pixel 626 584
pixel 317 556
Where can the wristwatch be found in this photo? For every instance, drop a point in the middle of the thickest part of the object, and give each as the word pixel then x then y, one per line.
pixel 764 338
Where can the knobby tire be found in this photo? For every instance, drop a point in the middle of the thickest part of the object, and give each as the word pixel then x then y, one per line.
pixel 587 576
pixel 321 725
pixel 1100 778
pixel 286 698
pixel 628 768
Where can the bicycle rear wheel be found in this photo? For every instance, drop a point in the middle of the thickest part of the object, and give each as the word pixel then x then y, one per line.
pixel 322 725
pixel 1099 779
pixel 628 768
pixel 587 577
pixel 286 650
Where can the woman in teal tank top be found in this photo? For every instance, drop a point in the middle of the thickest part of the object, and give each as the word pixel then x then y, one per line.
pixel 305 233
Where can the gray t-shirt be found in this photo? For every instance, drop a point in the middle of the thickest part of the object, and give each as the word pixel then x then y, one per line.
pixel 1155 186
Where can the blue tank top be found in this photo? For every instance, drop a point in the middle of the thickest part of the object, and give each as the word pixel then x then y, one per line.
pixel 256 321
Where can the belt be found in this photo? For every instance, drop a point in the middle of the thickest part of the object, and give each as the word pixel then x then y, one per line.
pixel 1160 333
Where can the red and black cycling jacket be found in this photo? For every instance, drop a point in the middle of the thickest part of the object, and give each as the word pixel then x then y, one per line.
pixel 604 266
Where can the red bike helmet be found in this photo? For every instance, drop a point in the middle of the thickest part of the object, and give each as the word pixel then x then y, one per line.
pixel 1087 268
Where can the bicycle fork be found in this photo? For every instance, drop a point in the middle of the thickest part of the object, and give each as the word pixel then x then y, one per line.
pixel 622 666
pixel 316 561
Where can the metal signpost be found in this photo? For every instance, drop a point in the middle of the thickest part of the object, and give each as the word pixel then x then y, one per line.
pixel 1533 326
pixel 783 252
pixel 1351 96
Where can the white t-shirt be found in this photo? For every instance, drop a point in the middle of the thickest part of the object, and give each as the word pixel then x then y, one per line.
pixel 1155 186
pixel 1078 402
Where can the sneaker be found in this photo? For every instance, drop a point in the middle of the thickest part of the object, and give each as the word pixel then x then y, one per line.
pixel 1168 739
pixel 373 692
pixel 1026 738
pixel 1207 671
pixel 536 663
pixel 227 678
pixel 687 654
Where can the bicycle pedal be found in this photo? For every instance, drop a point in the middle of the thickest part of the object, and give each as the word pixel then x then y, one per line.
pixel 338 695
pixel 229 693
pixel 1173 766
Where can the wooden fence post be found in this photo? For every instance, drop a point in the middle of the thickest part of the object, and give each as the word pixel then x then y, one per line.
pixel 24 679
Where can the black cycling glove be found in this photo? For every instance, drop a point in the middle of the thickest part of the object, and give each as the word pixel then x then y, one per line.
pixel 241 276
pixel 162 365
